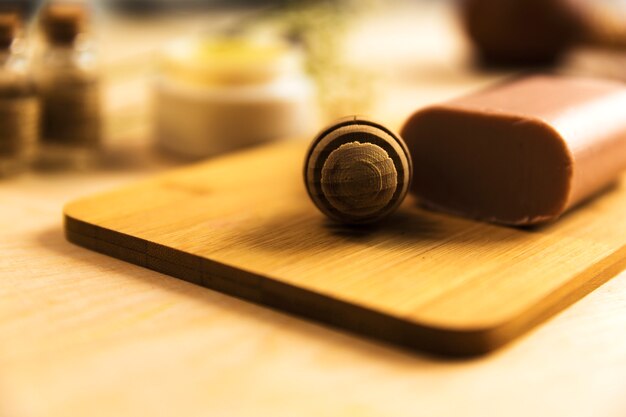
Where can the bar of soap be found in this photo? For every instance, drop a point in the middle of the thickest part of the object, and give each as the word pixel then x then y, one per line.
pixel 521 152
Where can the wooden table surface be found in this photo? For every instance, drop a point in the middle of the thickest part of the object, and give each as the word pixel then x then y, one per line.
pixel 82 334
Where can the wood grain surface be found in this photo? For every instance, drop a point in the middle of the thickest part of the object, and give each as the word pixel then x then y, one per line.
pixel 86 334
pixel 242 224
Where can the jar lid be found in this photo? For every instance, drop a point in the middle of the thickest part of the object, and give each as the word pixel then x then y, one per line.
pixel 229 61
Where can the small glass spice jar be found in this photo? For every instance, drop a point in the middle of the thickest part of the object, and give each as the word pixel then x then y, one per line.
pixel 19 111
pixel 68 86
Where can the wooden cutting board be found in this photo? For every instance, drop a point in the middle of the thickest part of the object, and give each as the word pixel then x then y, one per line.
pixel 243 225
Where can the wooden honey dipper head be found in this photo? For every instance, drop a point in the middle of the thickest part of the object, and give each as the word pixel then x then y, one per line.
pixel 357 171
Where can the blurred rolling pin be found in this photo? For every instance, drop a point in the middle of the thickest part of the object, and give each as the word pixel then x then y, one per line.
pixel 531 32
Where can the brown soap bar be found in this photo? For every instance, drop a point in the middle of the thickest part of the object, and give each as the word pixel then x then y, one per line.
pixel 521 152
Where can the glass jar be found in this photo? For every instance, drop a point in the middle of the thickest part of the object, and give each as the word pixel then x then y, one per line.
pixel 219 94
pixel 19 110
pixel 68 85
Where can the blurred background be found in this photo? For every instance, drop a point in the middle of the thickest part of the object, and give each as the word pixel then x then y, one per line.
pixel 145 84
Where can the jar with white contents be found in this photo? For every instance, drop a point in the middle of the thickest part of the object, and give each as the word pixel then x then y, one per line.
pixel 216 95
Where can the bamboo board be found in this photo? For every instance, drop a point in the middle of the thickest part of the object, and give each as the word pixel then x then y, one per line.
pixel 243 225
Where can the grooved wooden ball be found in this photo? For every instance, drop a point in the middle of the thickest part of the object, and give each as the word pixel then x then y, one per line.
pixel 357 171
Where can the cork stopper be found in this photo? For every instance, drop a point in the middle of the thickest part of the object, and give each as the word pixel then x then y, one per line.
pixel 9 26
pixel 63 22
